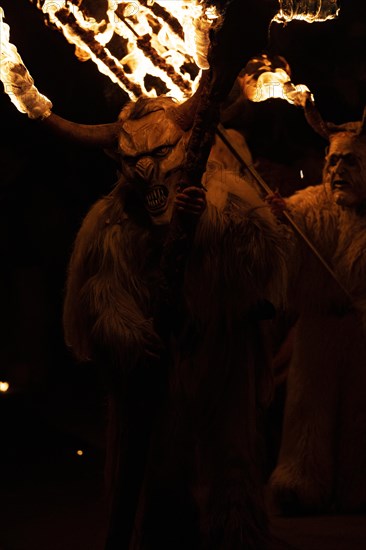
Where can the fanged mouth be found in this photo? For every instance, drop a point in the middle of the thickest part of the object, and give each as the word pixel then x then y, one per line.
pixel 340 184
pixel 156 198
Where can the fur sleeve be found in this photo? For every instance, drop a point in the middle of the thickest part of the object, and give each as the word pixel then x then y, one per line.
pixel 240 253
pixel 106 303
pixel 313 289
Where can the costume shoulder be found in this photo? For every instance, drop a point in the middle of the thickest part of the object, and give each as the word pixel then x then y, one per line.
pixel 91 234
pixel 310 204
pixel 240 248
pixel 314 289
pixel 220 154
pixel 223 158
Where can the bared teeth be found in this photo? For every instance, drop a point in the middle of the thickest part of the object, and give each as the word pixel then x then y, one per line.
pixel 156 198
pixel 339 184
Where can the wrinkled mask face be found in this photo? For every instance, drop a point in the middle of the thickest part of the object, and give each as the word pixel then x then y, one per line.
pixel 152 151
pixel 345 169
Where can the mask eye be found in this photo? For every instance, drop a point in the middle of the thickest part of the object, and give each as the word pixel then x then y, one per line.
pixel 162 151
pixel 333 159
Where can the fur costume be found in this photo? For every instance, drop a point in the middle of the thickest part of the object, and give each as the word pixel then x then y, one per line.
pixel 188 381
pixel 322 460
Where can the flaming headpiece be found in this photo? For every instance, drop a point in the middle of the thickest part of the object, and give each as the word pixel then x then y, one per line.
pixel 18 83
pixel 265 78
pixel 307 10
pixel 147 47
pixel 170 42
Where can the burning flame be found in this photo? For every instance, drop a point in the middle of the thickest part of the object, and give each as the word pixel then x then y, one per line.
pixel 264 78
pixel 4 386
pixel 17 81
pixel 145 47
pixel 307 10
pixel 148 48
pixel 152 47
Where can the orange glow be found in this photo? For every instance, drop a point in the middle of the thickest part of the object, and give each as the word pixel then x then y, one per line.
pixel 164 40
pixel 4 386
pixel 162 48
pixel 264 79
pixel 310 11
pixel 17 81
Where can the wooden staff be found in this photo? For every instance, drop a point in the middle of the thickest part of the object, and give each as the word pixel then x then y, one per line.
pixel 221 132
pixel 228 48
pixel 181 230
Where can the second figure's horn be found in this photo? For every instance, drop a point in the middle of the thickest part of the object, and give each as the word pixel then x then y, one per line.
pixel 363 123
pixel 314 118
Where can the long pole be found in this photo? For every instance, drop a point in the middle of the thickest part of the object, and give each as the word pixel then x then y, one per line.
pixel 221 132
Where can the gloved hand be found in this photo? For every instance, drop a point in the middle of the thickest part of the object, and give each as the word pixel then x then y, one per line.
pixel 277 205
pixel 190 201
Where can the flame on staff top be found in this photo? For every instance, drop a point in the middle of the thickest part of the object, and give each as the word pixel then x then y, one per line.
pixel 265 78
pixel 310 11
pixel 152 47
pixel 146 47
pixel 17 81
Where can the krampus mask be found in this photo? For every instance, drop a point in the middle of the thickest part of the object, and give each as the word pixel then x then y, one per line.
pixel 152 149
pixel 151 135
pixel 345 162
pixel 149 141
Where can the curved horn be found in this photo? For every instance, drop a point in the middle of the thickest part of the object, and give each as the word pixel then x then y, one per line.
pixel 315 120
pixel 363 123
pixel 92 135
pixel 183 115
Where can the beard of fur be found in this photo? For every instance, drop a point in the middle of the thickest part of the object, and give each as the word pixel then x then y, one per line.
pixel 107 306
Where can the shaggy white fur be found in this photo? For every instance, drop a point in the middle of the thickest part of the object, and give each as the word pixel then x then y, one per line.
pixel 203 455
pixel 322 459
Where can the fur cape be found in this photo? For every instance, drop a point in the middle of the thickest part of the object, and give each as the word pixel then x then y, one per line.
pixel 187 470
pixel 322 459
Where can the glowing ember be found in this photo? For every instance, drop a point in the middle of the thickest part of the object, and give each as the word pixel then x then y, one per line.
pixel 4 386
pixel 148 48
pixel 18 83
pixel 139 43
pixel 307 10
pixel 265 78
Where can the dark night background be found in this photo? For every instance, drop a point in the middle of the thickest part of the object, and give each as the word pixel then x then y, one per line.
pixel 54 406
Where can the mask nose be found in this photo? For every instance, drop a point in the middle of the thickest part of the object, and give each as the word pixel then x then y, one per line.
pixel 145 168
pixel 343 165
pixel 340 164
